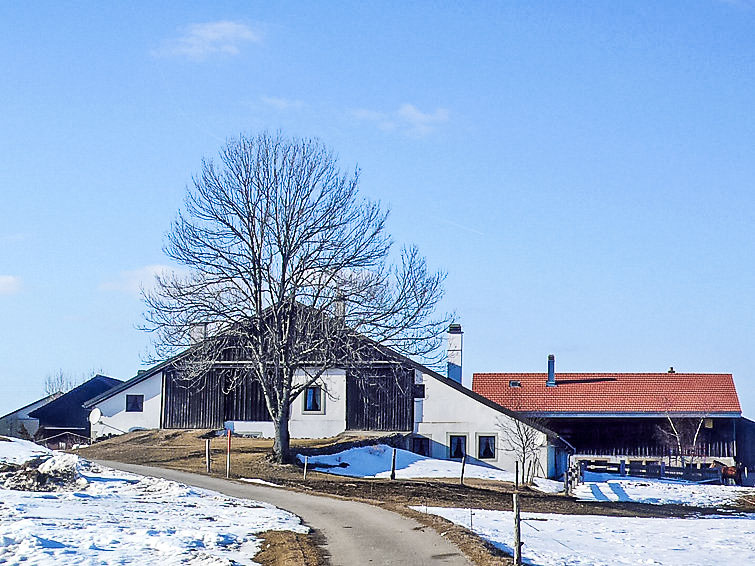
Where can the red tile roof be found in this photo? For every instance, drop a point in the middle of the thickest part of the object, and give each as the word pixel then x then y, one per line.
pixel 707 393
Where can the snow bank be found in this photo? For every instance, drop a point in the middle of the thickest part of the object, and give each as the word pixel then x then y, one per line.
pixel 602 487
pixel 110 517
pixel 590 540
pixel 17 451
pixel 375 462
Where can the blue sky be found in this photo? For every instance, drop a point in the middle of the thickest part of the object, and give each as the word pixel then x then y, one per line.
pixel 583 171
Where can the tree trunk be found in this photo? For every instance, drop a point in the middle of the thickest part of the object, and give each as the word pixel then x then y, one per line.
pixel 282 444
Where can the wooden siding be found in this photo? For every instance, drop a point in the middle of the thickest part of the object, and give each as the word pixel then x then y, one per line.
pixel 205 405
pixel 192 406
pixel 246 403
pixel 380 399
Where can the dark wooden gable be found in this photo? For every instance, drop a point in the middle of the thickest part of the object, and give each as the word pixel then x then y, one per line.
pixel 67 411
pixel 207 405
pixel 380 398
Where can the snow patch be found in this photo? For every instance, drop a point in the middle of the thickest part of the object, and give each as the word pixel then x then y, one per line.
pixel 375 462
pixel 605 487
pixel 111 517
pixel 590 540
pixel 17 451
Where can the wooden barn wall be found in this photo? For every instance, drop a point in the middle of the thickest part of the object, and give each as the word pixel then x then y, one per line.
pixel 246 403
pixel 380 399
pixel 189 406
pixel 206 406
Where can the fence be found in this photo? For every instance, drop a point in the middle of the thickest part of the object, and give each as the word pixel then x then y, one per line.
pixel 654 470
pixel 722 449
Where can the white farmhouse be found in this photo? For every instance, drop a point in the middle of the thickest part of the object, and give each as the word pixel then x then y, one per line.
pixel 439 416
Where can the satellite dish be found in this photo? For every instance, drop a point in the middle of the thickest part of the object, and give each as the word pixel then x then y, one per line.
pixel 95 416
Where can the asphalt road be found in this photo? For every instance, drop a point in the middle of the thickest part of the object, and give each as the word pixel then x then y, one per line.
pixel 354 533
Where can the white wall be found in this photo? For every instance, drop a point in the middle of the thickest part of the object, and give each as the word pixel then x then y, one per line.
pixel 329 422
pixel 10 424
pixel 115 419
pixel 446 411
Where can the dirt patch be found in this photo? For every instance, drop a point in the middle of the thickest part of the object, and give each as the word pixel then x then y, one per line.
pixel 284 548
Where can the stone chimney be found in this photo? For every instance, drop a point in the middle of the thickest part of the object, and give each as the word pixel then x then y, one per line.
pixel 455 340
pixel 551 371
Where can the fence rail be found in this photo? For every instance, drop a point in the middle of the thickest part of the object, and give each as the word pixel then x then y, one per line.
pixel 654 470
pixel 723 449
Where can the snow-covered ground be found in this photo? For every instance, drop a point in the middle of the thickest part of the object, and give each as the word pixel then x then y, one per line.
pixel 17 451
pixel 606 487
pixel 112 517
pixel 590 540
pixel 375 462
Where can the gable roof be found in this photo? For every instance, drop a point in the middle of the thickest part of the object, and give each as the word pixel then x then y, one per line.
pixel 146 374
pixel 43 401
pixel 123 385
pixel 68 409
pixel 601 394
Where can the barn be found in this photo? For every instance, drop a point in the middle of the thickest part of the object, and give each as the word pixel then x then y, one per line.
pixel 622 416
pixel 389 393
pixel 63 421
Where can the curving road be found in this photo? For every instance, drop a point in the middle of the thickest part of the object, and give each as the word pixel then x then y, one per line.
pixel 355 533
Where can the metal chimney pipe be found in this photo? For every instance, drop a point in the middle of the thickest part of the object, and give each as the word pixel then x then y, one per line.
pixel 551 371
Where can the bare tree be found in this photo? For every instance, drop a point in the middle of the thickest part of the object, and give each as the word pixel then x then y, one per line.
pixel 681 433
pixel 60 382
pixel 525 441
pixel 288 276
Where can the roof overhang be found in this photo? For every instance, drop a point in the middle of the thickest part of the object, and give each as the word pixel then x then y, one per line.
pixel 629 415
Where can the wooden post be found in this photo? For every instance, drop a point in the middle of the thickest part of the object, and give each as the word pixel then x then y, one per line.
pixel 516 475
pixel 393 465
pixel 463 464
pixel 207 455
pixel 306 463
pixel 517 532
pixel 228 457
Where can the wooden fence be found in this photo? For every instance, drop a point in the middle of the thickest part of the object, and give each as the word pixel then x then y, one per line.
pixel 653 470
pixel 723 449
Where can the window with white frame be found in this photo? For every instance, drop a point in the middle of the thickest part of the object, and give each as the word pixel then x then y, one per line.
pixel 313 401
pixel 457 446
pixel 486 447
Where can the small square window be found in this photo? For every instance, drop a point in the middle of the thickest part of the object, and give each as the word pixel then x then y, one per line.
pixel 421 445
pixel 313 399
pixel 486 447
pixel 134 403
pixel 418 390
pixel 457 446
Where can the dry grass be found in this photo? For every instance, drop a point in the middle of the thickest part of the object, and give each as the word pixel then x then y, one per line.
pixel 284 548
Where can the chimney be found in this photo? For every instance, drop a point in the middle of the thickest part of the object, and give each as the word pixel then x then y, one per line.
pixel 551 371
pixel 454 352
pixel 671 369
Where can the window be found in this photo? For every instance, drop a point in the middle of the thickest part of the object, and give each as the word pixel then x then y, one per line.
pixel 515 383
pixel 486 447
pixel 313 399
pixel 134 403
pixel 418 390
pixel 421 445
pixel 457 446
